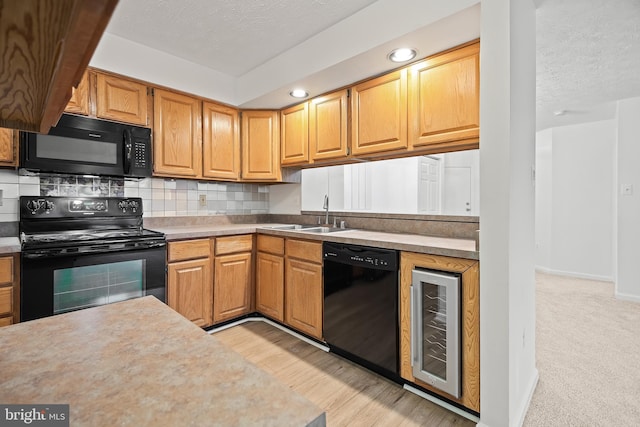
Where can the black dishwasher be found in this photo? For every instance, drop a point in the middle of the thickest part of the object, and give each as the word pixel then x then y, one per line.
pixel 361 306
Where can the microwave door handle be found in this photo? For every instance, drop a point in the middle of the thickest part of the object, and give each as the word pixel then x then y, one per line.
pixel 128 150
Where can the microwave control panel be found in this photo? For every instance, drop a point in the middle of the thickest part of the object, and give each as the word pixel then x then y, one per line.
pixel 140 151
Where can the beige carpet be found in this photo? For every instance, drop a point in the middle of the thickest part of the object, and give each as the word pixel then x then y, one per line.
pixel 588 355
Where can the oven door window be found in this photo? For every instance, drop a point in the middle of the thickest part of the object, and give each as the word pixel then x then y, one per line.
pixel 80 287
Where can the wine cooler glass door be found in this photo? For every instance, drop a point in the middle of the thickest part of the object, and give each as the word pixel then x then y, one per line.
pixel 435 329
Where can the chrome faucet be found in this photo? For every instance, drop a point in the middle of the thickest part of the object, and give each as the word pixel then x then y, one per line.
pixel 325 206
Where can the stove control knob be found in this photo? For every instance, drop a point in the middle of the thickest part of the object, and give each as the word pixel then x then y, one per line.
pixel 48 206
pixel 134 204
pixel 100 206
pixel 123 205
pixel 33 205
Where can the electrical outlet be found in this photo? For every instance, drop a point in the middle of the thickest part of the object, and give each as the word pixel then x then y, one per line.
pixel 627 189
pixel 203 200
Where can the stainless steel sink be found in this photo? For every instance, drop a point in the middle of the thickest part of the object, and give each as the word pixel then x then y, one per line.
pixel 307 228
pixel 322 230
pixel 291 227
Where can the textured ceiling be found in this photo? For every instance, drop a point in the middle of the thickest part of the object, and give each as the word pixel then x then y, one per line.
pixel 588 51
pixel 588 56
pixel 230 36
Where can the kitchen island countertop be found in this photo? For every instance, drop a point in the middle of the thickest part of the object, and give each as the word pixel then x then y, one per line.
pixel 139 363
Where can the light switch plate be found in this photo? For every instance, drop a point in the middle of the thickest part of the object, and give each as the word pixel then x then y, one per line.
pixel 1 197
pixel 203 200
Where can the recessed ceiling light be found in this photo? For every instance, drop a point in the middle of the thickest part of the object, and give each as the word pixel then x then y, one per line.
pixel 299 93
pixel 403 54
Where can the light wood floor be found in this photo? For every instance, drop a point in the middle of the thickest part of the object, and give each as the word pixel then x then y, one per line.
pixel 350 395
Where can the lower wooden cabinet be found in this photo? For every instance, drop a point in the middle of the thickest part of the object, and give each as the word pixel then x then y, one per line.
pixel 469 321
pixel 270 277
pixel 232 286
pixel 9 289
pixel 190 281
pixel 303 286
pixel 233 277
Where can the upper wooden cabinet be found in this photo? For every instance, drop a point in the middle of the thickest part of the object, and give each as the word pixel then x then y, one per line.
pixel 379 114
pixel 79 102
pixel 444 98
pixel 221 142
pixel 47 47
pixel 177 139
pixel 8 147
pixel 261 145
pixel 294 141
pixel 121 99
pixel 328 116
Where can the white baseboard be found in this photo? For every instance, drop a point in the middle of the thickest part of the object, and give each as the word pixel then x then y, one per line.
pixel 272 323
pixel 524 405
pixel 627 297
pixel 574 274
pixel 442 403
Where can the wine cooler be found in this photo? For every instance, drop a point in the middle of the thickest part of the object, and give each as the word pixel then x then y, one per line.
pixel 435 329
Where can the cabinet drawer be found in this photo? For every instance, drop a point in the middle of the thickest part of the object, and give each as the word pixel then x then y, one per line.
pixel 6 321
pixel 189 249
pixel 271 244
pixel 232 244
pixel 304 249
pixel 6 300
pixel 6 270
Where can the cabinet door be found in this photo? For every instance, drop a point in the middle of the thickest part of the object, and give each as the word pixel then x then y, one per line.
pixel 79 102
pixel 232 286
pixel 379 114
pixel 121 99
pixel 176 134
pixel 270 285
pixel 8 147
pixel 220 142
pixel 189 290
pixel 328 117
pixel 444 98
pixel 294 140
pixel 303 295
pixel 260 146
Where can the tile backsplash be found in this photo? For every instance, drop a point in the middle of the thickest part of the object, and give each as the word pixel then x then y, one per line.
pixel 160 197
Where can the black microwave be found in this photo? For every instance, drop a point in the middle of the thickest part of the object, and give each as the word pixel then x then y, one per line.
pixel 87 146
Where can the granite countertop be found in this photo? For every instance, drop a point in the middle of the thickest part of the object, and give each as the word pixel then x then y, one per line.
pixel 461 248
pixel 9 245
pixel 139 363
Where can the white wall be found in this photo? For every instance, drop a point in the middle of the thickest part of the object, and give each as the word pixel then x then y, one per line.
pixel 576 192
pixel 544 192
pixel 285 199
pixel 142 62
pixel 507 154
pixel 628 206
